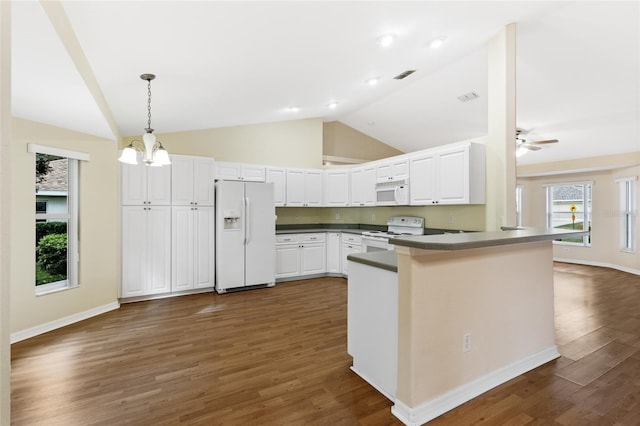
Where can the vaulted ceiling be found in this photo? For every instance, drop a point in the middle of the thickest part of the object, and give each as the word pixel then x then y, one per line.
pixel 233 63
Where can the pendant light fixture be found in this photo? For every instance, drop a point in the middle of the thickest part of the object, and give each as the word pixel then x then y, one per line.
pixel 152 150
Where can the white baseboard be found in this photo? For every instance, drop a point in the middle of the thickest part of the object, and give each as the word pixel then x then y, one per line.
pixel 386 394
pixel 414 416
pixel 61 322
pixel 601 264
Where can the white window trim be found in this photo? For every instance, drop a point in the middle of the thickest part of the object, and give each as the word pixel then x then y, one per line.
pixel 519 191
pixel 549 212
pixel 60 152
pixel 73 257
pixel 627 213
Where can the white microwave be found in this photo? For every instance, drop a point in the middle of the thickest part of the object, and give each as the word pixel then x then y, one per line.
pixel 394 193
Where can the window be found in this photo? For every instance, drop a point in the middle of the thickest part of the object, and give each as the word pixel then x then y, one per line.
pixel 569 207
pixel 56 217
pixel 627 213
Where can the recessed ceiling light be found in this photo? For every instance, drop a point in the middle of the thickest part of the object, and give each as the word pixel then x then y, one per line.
pixel 371 123
pixel 372 81
pixel 293 109
pixel 386 40
pixel 333 105
pixel 436 42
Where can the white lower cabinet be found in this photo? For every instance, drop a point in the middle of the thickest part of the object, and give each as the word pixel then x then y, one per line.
pixel 334 265
pixel 299 255
pixel 350 243
pixel 192 248
pixel 146 250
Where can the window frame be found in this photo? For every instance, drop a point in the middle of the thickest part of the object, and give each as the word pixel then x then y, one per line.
pixel 586 240
pixel 627 202
pixel 72 216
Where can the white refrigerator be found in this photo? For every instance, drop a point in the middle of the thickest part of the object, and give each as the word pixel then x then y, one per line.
pixel 245 235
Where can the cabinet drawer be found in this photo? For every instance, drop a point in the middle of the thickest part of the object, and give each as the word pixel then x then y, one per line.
pixel 286 239
pixel 351 238
pixel 319 237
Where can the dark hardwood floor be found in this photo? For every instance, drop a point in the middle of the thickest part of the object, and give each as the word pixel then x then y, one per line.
pixel 278 357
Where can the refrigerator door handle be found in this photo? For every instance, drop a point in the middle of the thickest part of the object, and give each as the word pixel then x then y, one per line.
pixel 247 219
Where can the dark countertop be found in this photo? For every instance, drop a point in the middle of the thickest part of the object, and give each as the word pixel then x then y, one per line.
pixel 378 259
pixel 353 228
pixel 315 230
pixel 465 241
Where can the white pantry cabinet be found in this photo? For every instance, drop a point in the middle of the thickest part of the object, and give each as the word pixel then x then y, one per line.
pixel 278 176
pixel 304 188
pixel 192 245
pixel 363 186
pixel 145 185
pixel 146 250
pixel 239 171
pixel 393 168
pixel 336 188
pixel 192 180
pixel 453 175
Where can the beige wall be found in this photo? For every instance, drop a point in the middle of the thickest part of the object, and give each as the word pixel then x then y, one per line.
pixel 606 217
pixel 340 140
pixel 99 227
pixel 469 218
pixel 295 143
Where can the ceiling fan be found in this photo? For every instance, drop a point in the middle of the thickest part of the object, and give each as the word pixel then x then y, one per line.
pixel 523 145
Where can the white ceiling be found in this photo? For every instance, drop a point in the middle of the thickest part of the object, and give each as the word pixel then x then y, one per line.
pixel 229 63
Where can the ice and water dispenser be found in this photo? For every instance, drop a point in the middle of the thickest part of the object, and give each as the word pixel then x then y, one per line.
pixel 231 219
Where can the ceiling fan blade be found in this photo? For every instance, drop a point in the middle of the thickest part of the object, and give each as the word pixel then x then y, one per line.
pixel 543 142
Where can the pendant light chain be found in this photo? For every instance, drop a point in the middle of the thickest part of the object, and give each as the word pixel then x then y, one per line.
pixel 149 105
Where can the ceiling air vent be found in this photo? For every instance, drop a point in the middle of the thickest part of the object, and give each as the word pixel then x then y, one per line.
pixel 468 97
pixel 404 75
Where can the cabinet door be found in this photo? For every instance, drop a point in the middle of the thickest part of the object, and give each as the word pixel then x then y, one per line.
pixel 424 183
pixel 453 176
pixel 203 240
pixel 203 179
pixel 336 188
pixel 253 173
pixel 334 265
pixel 313 188
pixel 228 171
pixel 159 185
pixel 295 187
pixel 182 248
pixel 368 189
pixel 134 251
pixel 182 177
pixel 277 176
pixel 346 250
pixel 384 172
pixel 159 250
pixel 134 184
pixel 313 259
pixel 287 260
pixel 400 169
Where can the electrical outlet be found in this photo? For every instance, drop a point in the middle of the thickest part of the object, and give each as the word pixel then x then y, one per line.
pixel 451 219
pixel 337 216
pixel 466 342
pixel 373 217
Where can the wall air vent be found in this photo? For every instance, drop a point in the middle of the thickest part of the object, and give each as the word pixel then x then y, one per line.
pixel 404 75
pixel 468 97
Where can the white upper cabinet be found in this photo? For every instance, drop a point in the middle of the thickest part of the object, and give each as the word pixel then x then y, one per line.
pixel 363 186
pixel 239 171
pixel 304 188
pixel 392 169
pixel 145 185
pixel 192 180
pixel 453 175
pixel 336 188
pixel 278 176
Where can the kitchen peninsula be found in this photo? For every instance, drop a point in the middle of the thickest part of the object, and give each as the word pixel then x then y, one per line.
pixel 462 314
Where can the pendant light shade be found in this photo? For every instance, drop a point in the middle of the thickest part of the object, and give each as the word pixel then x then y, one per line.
pixel 152 150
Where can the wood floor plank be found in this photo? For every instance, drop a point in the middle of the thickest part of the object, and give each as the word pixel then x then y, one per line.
pixel 278 357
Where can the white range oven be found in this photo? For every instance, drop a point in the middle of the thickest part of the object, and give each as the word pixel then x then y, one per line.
pixel 396 226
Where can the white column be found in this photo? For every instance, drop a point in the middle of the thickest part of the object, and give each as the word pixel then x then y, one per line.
pixel 500 145
pixel 5 140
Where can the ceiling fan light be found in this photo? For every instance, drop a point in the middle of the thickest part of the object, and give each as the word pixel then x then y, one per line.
pixel 521 150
